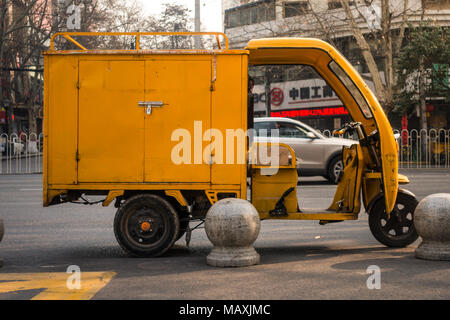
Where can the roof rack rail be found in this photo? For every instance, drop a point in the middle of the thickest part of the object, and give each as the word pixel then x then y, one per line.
pixel 68 36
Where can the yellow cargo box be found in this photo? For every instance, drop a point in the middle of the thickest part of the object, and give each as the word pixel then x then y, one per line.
pixel 111 119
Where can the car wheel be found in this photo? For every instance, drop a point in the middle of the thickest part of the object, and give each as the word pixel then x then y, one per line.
pixel 334 169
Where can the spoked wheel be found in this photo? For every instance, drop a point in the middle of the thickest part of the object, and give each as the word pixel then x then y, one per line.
pixel 146 225
pixel 398 230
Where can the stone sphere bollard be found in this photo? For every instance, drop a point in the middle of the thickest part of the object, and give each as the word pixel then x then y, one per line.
pixel 432 222
pixel 2 232
pixel 232 225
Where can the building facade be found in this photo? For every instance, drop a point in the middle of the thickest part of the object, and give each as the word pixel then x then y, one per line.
pixel 309 99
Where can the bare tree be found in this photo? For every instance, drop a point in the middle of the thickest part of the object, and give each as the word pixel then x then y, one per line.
pixel 21 40
pixel 389 38
pixel 377 27
pixel 26 27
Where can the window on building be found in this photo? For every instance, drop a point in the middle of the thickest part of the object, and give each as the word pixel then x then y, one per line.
pixel 294 8
pixel 436 4
pixel 250 13
pixel 336 4
pixel 282 73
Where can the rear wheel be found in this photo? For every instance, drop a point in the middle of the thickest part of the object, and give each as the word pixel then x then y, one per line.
pixel 398 230
pixel 146 225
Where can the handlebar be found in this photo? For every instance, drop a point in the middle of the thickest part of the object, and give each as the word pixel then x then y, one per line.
pixel 364 140
pixel 350 126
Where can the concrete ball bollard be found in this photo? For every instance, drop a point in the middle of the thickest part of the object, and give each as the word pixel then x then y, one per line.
pixel 2 232
pixel 232 225
pixel 432 222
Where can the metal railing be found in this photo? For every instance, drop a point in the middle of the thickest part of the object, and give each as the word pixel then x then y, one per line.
pixel 419 148
pixel 21 153
pixel 424 148
pixel 137 36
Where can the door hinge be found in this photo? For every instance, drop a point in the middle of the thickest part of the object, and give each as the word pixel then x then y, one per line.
pixel 78 84
pixel 77 156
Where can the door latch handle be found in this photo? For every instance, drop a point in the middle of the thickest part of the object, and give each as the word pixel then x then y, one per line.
pixel 150 104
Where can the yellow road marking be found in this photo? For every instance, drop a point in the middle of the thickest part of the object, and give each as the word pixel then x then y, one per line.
pixel 54 284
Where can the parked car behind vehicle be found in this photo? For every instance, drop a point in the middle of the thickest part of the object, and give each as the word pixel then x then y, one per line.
pixel 319 155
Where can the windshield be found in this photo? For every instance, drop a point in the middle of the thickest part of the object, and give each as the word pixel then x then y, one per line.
pixel 351 87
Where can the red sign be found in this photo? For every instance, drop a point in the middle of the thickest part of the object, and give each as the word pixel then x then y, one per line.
pixel 276 96
pixel 301 113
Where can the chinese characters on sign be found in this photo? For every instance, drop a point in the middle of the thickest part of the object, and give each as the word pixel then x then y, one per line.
pixel 311 92
pixel 300 94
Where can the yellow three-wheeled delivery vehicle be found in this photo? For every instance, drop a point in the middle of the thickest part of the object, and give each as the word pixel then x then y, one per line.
pixel 162 134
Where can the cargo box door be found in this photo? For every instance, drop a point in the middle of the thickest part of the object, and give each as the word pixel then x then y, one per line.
pixel 178 94
pixel 111 126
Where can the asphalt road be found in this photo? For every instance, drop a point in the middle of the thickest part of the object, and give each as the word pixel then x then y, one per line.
pixel 299 259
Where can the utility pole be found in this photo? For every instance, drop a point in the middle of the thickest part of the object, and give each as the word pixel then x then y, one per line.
pixel 197 39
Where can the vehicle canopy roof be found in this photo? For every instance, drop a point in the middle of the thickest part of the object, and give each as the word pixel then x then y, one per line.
pixel 354 93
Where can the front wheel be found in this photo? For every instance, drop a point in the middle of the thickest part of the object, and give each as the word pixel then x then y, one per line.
pixel 146 225
pixel 398 230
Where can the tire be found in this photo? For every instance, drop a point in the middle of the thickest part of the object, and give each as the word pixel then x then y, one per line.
pixel 146 225
pixel 399 230
pixel 334 167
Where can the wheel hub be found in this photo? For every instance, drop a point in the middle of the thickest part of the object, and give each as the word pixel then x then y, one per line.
pixel 397 221
pixel 146 226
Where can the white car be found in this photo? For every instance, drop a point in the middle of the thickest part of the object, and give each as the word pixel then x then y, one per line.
pixel 319 155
